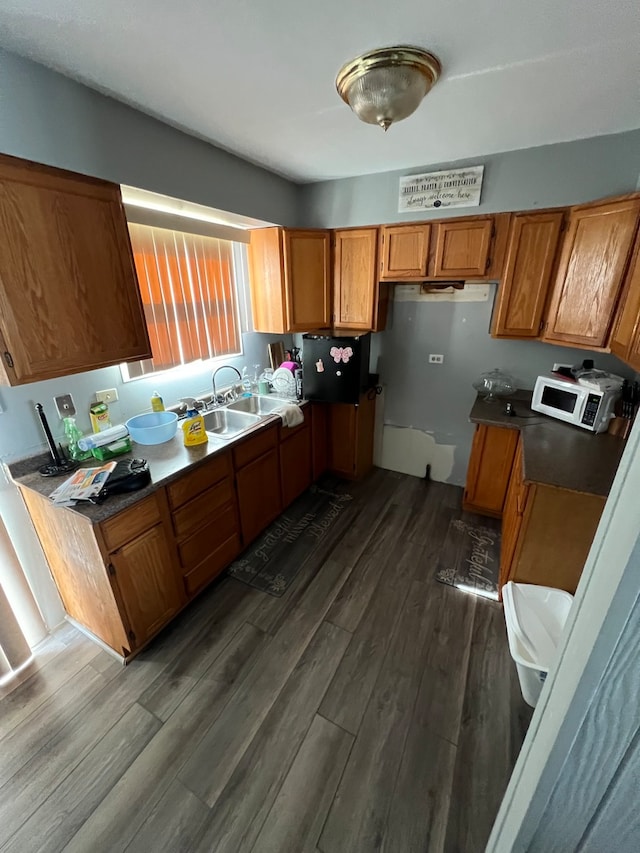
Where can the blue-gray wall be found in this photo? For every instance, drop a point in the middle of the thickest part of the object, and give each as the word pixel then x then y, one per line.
pixel 437 399
pixel 50 119
pixel 548 176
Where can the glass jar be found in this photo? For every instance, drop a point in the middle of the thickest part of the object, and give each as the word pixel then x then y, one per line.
pixel 494 384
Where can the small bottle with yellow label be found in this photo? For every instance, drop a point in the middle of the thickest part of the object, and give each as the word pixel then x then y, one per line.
pixel 194 429
pixel 157 403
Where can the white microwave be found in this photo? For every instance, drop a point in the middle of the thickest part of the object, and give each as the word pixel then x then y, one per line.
pixel 576 404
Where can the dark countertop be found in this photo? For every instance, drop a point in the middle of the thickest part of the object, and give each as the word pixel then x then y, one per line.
pixel 167 462
pixel 555 453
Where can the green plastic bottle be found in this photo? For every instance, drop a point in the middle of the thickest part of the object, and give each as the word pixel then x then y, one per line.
pixel 72 434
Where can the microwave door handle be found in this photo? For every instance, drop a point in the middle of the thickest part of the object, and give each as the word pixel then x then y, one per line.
pixel 582 404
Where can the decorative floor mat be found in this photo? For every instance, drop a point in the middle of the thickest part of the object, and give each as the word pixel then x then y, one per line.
pixel 470 558
pixel 272 562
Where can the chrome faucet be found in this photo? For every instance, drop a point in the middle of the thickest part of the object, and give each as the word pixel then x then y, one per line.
pixel 219 400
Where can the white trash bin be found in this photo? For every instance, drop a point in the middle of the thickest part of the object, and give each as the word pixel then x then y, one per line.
pixel 535 617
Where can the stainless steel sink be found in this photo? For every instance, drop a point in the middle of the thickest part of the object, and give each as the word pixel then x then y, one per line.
pixel 225 423
pixel 256 405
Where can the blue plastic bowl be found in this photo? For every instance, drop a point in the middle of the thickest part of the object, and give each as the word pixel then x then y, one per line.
pixel 153 428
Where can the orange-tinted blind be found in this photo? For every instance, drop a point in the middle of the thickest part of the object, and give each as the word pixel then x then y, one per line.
pixel 189 296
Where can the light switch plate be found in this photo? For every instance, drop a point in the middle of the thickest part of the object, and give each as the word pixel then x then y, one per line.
pixel 65 406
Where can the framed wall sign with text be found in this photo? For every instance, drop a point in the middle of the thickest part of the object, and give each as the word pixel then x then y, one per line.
pixel 453 188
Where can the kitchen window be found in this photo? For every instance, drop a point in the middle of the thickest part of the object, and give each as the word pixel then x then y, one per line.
pixel 188 288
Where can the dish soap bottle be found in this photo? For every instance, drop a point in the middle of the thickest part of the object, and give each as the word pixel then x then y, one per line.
pixel 157 403
pixel 194 429
pixel 72 434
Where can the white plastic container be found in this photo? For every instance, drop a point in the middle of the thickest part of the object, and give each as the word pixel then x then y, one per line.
pixel 535 617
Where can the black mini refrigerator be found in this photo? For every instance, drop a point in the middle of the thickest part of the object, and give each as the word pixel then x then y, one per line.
pixel 335 370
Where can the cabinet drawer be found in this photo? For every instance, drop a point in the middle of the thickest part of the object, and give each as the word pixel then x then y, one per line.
pixel 208 538
pixel 212 565
pixel 198 512
pixel 208 474
pixel 255 446
pixel 130 523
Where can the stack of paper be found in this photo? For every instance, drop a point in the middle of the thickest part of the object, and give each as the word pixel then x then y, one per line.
pixel 82 485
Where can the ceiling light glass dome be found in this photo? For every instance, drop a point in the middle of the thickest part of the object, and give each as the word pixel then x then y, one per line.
pixel 387 85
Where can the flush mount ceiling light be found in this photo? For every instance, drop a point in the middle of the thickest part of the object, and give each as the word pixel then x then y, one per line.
pixel 388 84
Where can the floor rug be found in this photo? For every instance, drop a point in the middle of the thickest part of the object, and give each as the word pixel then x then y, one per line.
pixel 470 558
pixel 274 559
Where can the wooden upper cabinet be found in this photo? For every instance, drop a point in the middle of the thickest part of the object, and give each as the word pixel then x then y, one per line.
pixel 625 338
pixel 522 293
pixel 307 267
pixel 462 248
pixel 290 274
pixel 356 293
pixel 592 265
pixel 404 251
pixel 69 297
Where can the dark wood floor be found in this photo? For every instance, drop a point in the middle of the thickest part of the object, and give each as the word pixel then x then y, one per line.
pixel 369 709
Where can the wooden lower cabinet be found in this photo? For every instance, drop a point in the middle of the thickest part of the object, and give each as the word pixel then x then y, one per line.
pixel 205 522
pixel 296 471
pixel 351 435
pixel 492 454
pixel 319 438
pixel 125 578
pixel 546 533
pixel 258 483
pixel 148 583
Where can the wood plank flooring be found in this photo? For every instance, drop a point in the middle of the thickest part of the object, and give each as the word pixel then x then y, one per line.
pixel 368 709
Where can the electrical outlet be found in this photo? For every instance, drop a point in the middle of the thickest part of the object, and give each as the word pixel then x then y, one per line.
pixel 65 406
pixel 110 395
pixel 435 359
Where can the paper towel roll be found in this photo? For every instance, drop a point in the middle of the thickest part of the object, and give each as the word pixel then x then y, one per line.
pixel 99 439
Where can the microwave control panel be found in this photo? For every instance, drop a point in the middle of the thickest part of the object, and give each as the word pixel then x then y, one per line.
pixel 591 410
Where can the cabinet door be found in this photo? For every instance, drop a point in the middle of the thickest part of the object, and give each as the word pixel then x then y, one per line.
pixel 590 272
pixel 351 437
pixel 492 454
pixel 149 583
pixel 404 250
pixel 308 276
pixel 69 298
pixel 319 438
pixel 512 519
pixel 625 339
pixel 266 278
pixel 355 279
pixel 295 464
pixel 259 497
pixel 522 293
pixel 462 248
pixel 342 439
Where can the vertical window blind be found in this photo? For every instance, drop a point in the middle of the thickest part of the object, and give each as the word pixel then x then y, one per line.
pixel 189 295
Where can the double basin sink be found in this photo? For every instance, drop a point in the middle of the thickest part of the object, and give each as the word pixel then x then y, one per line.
pixel 232 420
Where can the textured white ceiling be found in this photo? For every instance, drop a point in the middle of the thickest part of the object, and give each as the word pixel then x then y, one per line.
pixel 257 77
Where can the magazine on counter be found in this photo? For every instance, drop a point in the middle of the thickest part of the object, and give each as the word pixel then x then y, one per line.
pixel 83 484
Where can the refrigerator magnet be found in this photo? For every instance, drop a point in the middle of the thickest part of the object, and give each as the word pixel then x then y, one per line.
pixel 320 366
pixel 339 354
